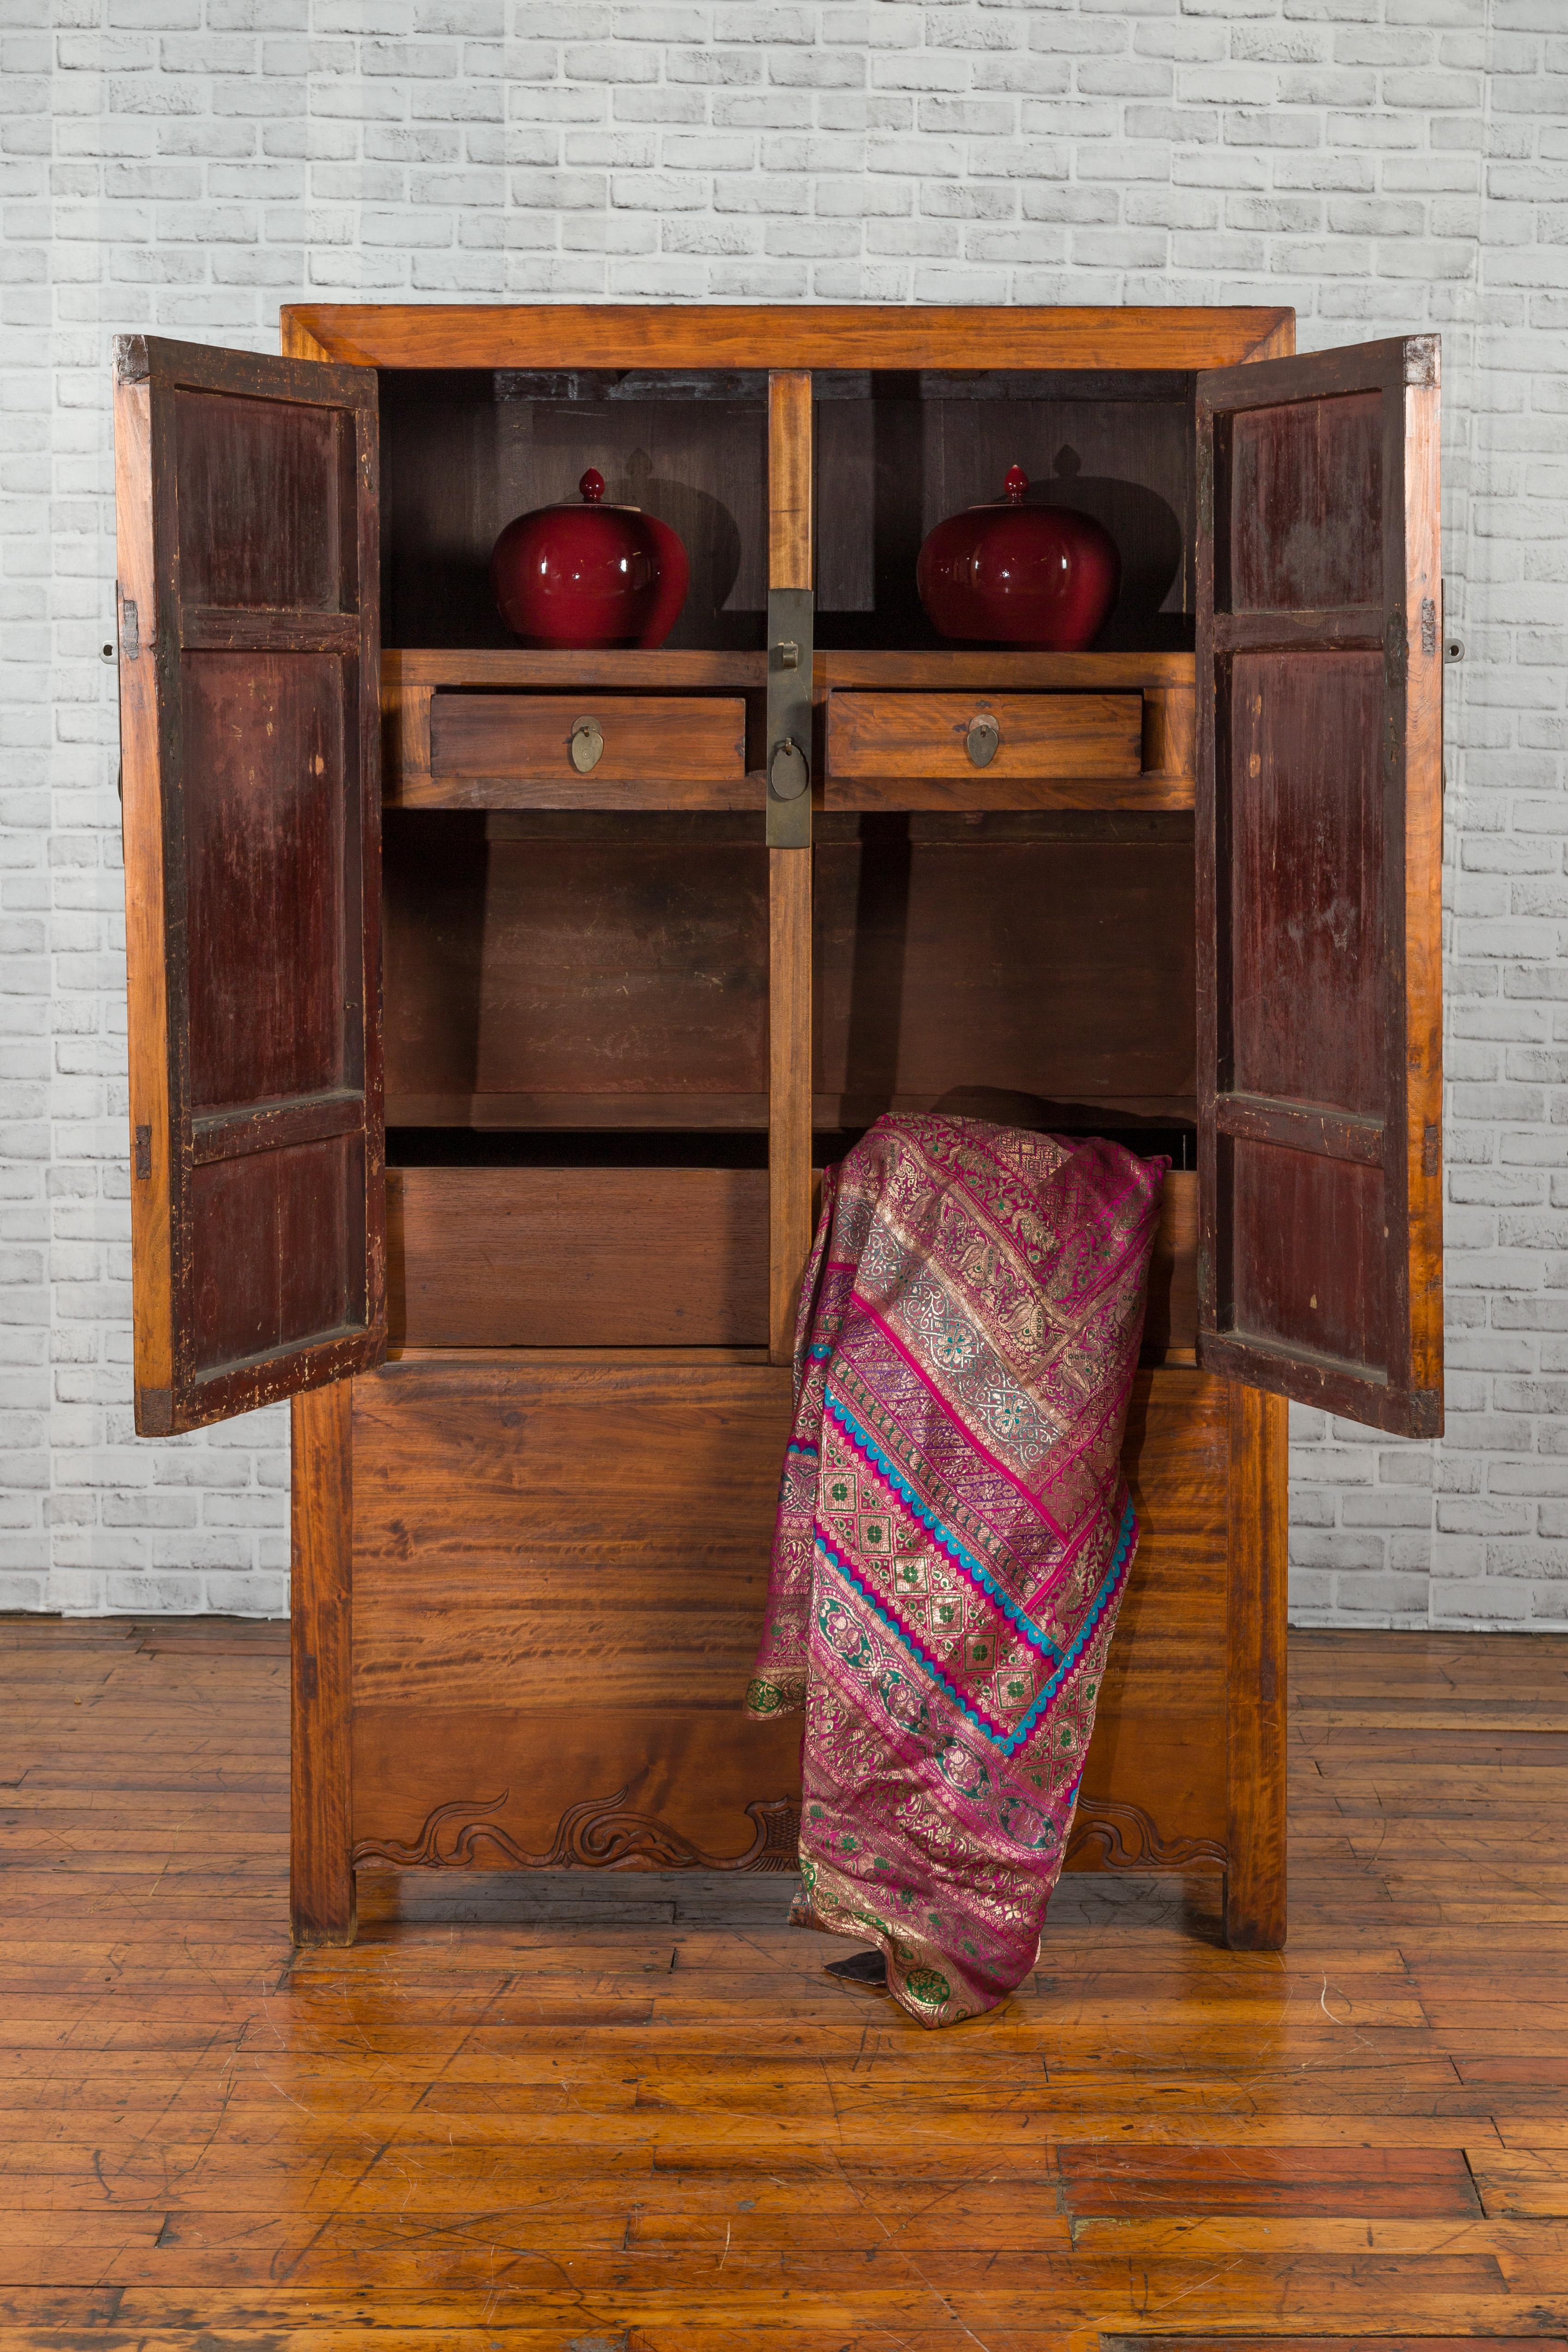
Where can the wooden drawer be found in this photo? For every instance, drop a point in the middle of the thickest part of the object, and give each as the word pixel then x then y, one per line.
pixel 577 1257
pixel 1043 736
pixel 513 750
pixel 647 1257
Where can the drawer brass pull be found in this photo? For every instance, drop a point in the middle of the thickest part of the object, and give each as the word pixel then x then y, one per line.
pixel 586 744
pixel 983 736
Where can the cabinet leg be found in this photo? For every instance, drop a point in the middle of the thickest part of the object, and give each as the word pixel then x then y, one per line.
pixel 320 1869
pixel 1253 1914
pixel 1256 1673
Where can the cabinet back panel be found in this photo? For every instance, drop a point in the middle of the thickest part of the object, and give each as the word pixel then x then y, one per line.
pixel 589 967
pixel 895 462
pixel 460 457
pixel 627 977
pixel 1058 969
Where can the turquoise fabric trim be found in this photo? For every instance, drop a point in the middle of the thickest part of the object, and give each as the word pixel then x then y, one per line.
pixel 1009 1742
pixel 973 1567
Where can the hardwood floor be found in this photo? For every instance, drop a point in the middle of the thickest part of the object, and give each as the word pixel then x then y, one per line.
pixel 632 2114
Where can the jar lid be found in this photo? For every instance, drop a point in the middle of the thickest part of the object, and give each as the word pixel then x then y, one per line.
pixel 1013 489
pixel 591 489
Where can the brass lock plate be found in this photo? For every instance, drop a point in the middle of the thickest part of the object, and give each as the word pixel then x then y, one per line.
pixel 790 624
pixel 983 739
pixel 586 745
pixel 789 771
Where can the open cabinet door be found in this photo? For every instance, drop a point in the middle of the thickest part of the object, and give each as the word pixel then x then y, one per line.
pixel 1318 873
pixel 246 493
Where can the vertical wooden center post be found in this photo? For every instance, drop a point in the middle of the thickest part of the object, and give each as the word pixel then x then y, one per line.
pixel 789 893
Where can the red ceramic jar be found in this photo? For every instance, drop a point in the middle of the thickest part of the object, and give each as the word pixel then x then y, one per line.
pixel 589 575
pixel 1044 577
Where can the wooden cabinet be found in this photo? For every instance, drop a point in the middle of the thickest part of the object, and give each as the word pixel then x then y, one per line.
pixel 476 1097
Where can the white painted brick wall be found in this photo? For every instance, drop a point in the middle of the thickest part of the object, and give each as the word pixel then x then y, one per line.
pixel 185 166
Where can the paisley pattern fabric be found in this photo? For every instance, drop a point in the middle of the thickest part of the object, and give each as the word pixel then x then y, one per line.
pixel 955 1535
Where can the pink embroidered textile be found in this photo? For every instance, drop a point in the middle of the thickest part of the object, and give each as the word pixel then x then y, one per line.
pixel 955 1535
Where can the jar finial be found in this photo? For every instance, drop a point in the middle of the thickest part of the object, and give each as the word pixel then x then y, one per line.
pixel 592 486
pixel 1017 483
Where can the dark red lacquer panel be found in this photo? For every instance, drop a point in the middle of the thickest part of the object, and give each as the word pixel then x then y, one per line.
pixel 1306 504
pixel 1319 851
pixel 294 1218
pixel 1304 743
pixel 1320 1282
pixel 250 734
pixel 265 807
pixel 262 503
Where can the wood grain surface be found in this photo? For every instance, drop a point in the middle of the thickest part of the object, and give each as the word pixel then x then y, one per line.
pixel 565 1257
pixel 322 1879
pixel 791 487
pixel 546 1541
pixel 790 1092
pixel 1041 735
pixel 1257 1570
pixel 512 750
pixel 504 1009
pixel 577 1257
pixel 527 2113
pixel 787 335
pixel 668 1258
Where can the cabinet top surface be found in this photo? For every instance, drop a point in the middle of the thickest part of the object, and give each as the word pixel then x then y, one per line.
pixel 805 335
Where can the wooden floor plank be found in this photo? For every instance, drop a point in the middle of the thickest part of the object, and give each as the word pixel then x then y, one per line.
pixel 634 2115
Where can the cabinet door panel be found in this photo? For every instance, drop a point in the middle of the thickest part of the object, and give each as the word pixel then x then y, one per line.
pixel 265 865
pixel 246 492
pixel 1318 837
pixel 1306 877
